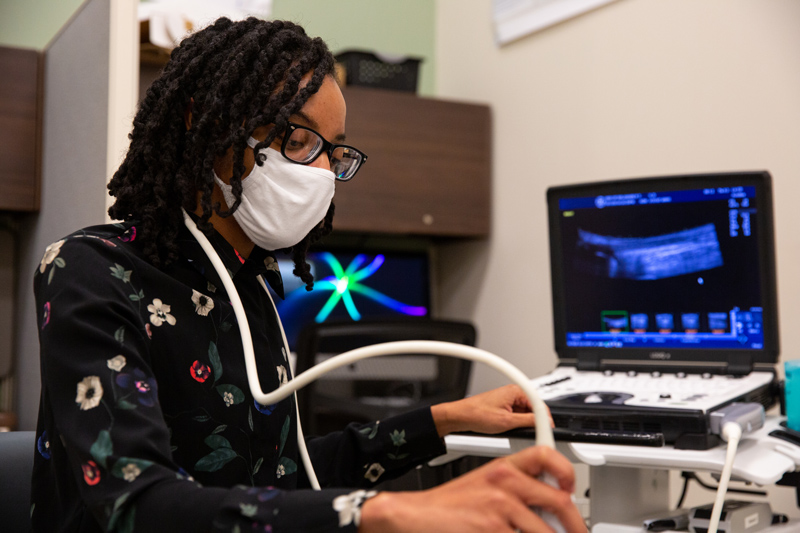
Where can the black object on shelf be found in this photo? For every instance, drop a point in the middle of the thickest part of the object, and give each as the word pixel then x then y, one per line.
pixel 382 71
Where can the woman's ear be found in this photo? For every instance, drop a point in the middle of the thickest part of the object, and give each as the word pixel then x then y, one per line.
pixel 187 114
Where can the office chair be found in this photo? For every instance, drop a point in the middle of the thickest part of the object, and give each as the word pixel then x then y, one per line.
pixel 381 387
pixel 16 466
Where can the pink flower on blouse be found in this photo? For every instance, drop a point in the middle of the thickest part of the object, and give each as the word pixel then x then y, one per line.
pixel 46 314
pixel 129 235
pixel 91 473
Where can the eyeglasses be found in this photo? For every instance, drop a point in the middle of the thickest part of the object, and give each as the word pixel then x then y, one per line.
pixel 303 145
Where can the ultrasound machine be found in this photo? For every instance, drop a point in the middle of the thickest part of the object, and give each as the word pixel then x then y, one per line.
pixel 664 304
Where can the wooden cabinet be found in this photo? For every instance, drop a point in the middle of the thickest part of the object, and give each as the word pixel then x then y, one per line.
pixel 20 128
pixel 428 170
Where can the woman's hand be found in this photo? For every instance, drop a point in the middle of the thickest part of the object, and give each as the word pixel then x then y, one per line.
pixel 496 498
pixel 491 412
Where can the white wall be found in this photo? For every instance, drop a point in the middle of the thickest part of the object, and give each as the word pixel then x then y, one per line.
pixel 636 88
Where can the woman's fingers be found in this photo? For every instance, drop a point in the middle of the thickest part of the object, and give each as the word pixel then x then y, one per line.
pixel 538 460
pixel 520 475
pixel 498 497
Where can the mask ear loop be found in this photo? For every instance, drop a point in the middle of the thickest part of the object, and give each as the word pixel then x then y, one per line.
pixel 544 434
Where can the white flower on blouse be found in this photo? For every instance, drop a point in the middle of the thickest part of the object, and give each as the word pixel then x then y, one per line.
pixel 374 471
pixel 90 392
pixel 228 397
pixel 160 312
pixel 130 472
pixel 50 253
pixel 116 363
pixel 283 376
pixel 202 303
pixel 281 471
pixel 349 506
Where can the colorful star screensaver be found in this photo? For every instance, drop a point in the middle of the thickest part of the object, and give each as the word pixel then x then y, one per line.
pixel 354 286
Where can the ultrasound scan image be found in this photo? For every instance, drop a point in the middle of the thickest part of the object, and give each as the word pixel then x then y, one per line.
pixel 649 258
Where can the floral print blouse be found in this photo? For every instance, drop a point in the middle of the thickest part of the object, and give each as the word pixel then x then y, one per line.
pixel 146 421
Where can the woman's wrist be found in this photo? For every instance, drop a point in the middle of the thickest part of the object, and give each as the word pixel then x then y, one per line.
pixel 378 513
pixel 445 417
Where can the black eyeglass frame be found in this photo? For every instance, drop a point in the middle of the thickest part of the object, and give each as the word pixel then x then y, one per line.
pixel 327 147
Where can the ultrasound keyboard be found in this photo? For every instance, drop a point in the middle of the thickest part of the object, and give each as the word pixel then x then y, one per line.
pixel 702 392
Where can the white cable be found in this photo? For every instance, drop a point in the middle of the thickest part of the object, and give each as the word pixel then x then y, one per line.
pixel 731 432
pixel 247 339
pixel 544 434
pixel 301 439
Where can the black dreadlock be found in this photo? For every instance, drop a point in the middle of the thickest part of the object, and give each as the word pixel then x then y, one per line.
pixel 234 77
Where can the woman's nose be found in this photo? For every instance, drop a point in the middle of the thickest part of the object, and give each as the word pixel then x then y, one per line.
pixel 323 161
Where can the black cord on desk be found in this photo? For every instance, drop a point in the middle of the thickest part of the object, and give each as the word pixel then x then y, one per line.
pixel 688 476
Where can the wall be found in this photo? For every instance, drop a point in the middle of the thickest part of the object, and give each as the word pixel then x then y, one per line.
pixel 74 164
pixel 635 88
pixel 32 23
pixel 404 28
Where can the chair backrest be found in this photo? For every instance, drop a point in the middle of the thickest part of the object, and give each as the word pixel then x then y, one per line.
pixel 16 466
pixel 376 388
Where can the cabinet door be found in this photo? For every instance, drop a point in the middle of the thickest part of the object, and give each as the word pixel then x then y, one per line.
pixel 20 119
pixel 428 170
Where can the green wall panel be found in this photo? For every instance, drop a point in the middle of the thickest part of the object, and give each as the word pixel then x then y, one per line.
pixel 405 27
pixel 32 23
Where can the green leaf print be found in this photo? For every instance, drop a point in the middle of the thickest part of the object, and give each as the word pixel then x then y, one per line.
pixel 284 433
pixel 119 335
pixel 118 271
pixel 136 297
pixel 215 460
pixel 397 457
pixel 285 467
pixel 216 442
pixel 248 509
pixel 102 447
pixel 216 364
pixel 219 429
pixel 370 431
pixel 231 394
pixel 128 520
pixel 258 465
pixel 250 418
pixel 129 468
pixel 398 437
pixel 115 513
pixel 59 261
pixel 125 404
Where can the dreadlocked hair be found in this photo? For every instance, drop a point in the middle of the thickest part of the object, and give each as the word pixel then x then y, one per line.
pixel 233 77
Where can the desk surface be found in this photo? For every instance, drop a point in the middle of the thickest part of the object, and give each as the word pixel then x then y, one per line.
pixel 761 459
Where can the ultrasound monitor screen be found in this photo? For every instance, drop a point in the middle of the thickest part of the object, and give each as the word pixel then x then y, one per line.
pixel 352 286
pixel 663 264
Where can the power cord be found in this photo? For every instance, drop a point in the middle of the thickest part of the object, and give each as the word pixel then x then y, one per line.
pixel 689 476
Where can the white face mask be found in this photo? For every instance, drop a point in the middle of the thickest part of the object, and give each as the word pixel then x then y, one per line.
pixel 281 201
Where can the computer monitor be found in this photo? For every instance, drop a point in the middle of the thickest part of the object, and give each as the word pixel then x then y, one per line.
pixel 677 268
pixel 354 285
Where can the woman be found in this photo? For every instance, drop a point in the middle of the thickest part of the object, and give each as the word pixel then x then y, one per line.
pixel 146 420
